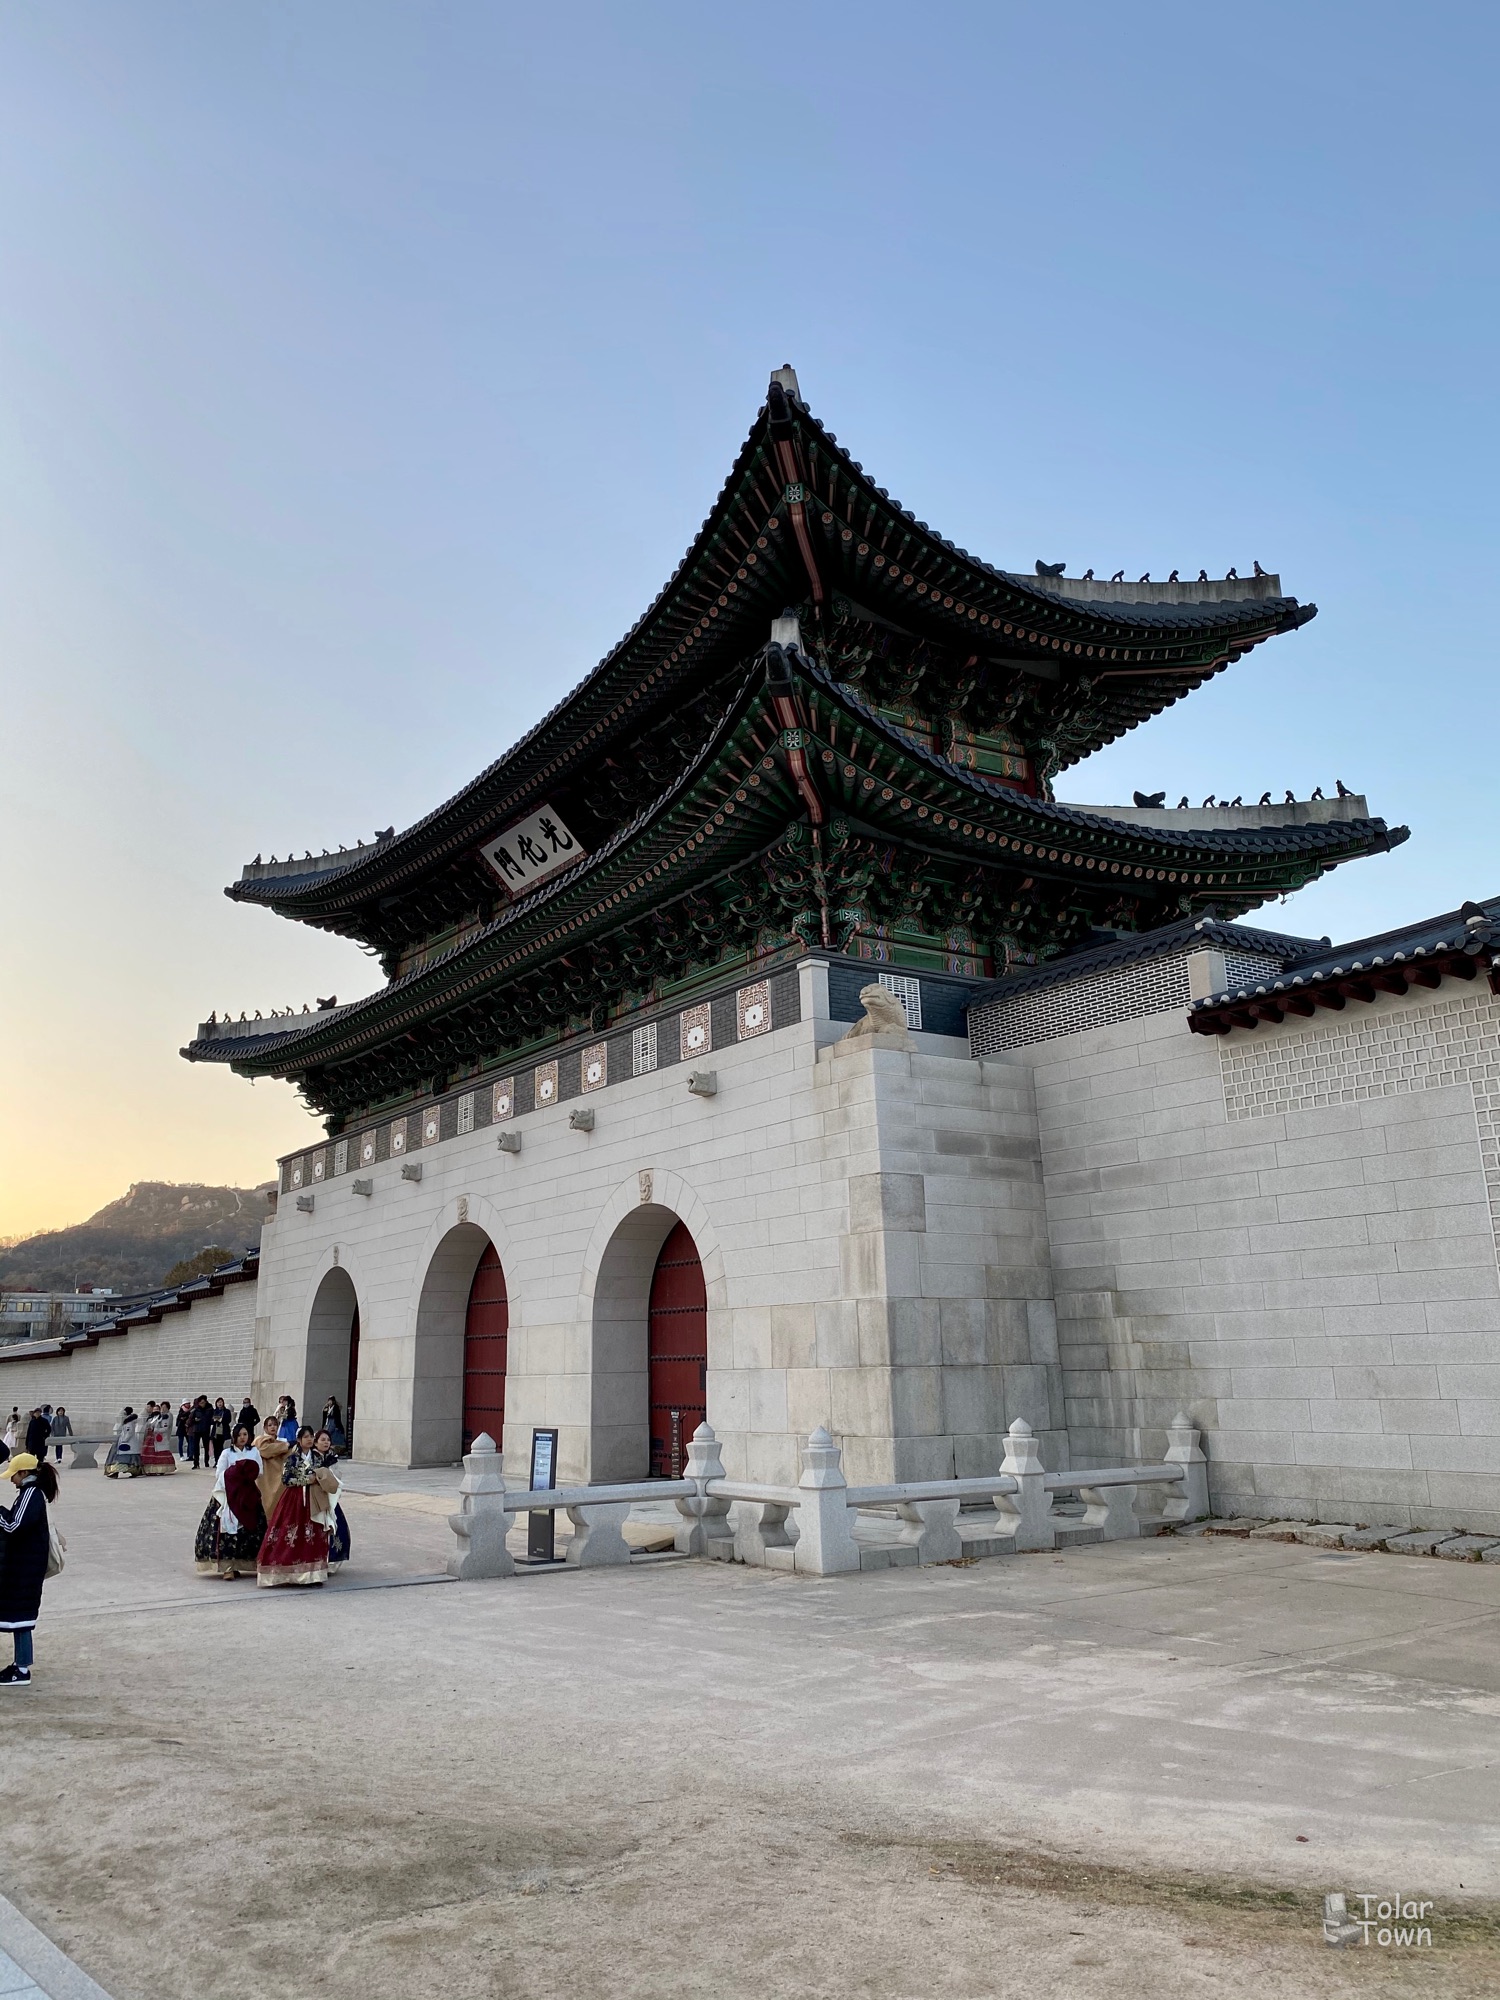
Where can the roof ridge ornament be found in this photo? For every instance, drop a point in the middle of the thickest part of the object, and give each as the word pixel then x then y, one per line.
pixel 785 377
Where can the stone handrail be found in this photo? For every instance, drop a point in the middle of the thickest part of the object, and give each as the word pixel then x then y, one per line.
pixel 825 1506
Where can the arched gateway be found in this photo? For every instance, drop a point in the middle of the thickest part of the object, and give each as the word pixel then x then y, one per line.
pixel 332 1347
pixel 463 1323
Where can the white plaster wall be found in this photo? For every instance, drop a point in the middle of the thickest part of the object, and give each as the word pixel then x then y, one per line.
pixel 206 1351
pixel 871 1228
pixel 1307 1263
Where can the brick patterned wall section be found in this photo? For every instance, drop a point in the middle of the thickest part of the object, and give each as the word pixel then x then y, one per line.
pixel 1423 1046
pixel 1099 999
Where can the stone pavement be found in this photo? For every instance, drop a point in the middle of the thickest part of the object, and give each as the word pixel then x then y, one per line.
pixel 1127 1767
pixel 38 1970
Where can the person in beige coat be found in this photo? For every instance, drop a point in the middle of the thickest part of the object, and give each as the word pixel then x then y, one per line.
pixel 273 1451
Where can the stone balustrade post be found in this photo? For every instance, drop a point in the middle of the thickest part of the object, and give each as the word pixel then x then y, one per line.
pixel 481 1523
pixel 825 1533
pixel 1025 1515
pixel 705 1529
pixel 1187 1501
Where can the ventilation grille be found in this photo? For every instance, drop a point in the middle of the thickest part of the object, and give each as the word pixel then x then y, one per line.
pixel 909 993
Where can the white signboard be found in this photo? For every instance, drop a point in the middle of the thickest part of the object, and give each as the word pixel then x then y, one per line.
pixel 538 847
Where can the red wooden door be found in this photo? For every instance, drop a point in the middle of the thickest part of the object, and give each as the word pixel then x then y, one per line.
pixel 353 1379
pixel 486 1328
pixel 678 1351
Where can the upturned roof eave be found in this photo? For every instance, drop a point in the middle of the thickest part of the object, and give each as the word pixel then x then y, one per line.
pixel 1359 836
pixel 429 984
pixel 479 807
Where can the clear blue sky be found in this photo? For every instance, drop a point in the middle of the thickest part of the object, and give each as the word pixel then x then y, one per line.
pixel 367 367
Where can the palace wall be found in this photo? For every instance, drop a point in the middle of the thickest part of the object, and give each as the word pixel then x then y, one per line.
pixel 870 1224
pixel 1290 1232
pixel 207 1350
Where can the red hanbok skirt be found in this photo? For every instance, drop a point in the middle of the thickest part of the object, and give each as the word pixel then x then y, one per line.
pixel 156 1454
pixel 295 1549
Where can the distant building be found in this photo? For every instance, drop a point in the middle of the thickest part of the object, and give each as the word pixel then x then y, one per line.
pixel 54 1315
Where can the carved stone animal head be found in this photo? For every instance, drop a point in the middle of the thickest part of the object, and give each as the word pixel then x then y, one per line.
pixel 883 1015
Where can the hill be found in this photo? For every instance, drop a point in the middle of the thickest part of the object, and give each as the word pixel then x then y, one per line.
pixel 132 1243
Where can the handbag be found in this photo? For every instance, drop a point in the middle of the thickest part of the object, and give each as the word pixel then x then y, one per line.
pixel 57 1550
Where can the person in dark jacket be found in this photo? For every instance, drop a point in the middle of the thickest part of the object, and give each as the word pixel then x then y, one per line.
pixel 62 1427
pixel 24 1544
pixel 38 1430
pixel 220 1425
pixel 200 1427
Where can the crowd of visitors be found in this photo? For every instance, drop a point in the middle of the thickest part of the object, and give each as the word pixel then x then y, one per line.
pixel 274 1512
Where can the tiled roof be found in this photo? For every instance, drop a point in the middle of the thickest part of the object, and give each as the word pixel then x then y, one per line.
pixel 1474 929
pixel 1190 934
pixel 590 709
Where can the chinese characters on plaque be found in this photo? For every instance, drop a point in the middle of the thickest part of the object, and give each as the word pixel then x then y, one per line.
pixel 526 853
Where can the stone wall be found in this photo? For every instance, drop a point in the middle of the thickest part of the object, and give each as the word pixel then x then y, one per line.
pixel 205 1351
pixel 1290 1232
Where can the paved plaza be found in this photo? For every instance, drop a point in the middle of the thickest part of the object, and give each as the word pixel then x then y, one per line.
pixel 1127 1768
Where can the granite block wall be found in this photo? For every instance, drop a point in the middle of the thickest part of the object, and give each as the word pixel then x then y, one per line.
pixel 1290 1231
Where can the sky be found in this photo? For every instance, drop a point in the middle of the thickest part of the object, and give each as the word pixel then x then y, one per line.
pixel 365 369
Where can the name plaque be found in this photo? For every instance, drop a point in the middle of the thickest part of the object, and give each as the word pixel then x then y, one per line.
pixel 527 853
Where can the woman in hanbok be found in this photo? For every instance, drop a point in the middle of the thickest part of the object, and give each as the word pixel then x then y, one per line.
pixel 124 1457
pixel 234 1521
pixel 295 1550
pixel 273 1456
pixel 287 1426
pixel 156 1440
pixel 338 1534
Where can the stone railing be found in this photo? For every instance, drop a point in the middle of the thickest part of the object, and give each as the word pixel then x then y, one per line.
pixel 813 1526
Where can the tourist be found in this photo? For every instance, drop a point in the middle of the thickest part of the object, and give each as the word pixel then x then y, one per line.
pixel 295 1550
pixel 273 1454
pixel 124 1457
pixel 286 1412
pixel 248 1415
pixel 200 1424
pixel 219 1427
pixel 338 1534
pixel 62 1427
pixel 180 1425
pixel 333 1423
pixel 156 1440
pixel 38 1430
pixel 14 1428
pixel 234 1521
pixel 25 1546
